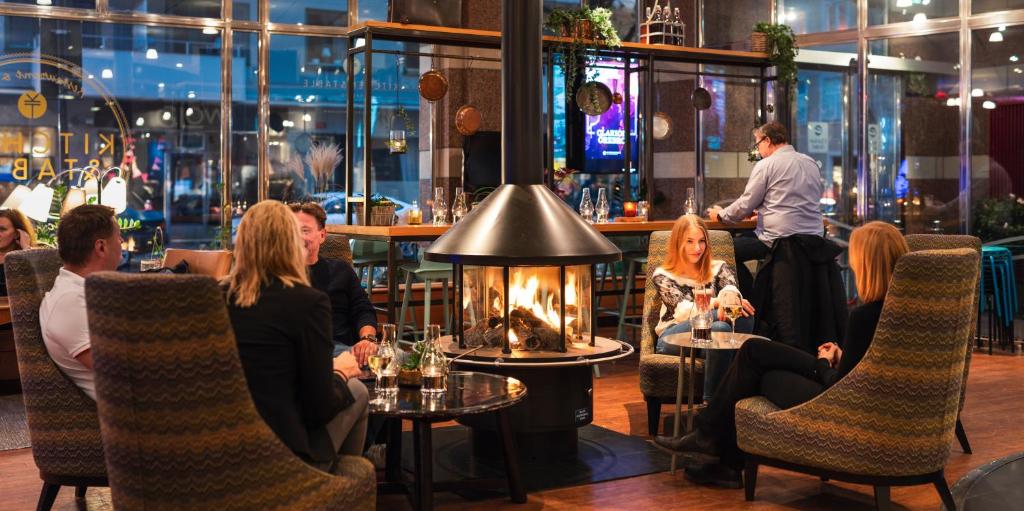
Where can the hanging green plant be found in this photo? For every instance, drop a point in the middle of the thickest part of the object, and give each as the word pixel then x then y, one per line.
pixel 587 29
pixel 779 42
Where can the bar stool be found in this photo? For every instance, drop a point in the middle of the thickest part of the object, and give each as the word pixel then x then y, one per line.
pixel 998 286
pixel 632 247
pixel 368 254
pixel 428 272
pixel 628 313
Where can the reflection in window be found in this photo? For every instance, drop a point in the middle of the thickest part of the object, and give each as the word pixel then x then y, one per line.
pixel 332 13
pixel 306 141
pixel 881 12
pixel 244 122
pixel 144 99
pixel 913 132
pixel 997 176
pixel 82 4
pixel 809 16
pixel 979 6
pixel 193 8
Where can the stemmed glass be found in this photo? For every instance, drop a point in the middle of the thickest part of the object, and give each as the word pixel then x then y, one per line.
pixel 732 304
pixel 384 365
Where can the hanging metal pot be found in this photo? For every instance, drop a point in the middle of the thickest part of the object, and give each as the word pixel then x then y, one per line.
pixel 617 98
pixel 467 120
pixel 433 85
pixel 661 125
pixel 701 98
pixel 594 98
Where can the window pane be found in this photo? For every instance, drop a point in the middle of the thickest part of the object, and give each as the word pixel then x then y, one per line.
pixel 193 8
pixel 997 161
pixel 144 99
pixel 914 132
pixel 979 6
pixel 809 16
pixel 307 120
pixel 245 10
pixel 881 12
pixel 376 10
pixel 82 4
pixel 244 122
pixel 332 13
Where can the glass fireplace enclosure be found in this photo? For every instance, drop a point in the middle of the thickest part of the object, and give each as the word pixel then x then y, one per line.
pixel 542 308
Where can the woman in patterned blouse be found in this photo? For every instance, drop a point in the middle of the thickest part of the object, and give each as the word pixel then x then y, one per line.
pixel 688 265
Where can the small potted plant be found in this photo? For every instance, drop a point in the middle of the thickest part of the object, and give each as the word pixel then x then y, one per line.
pixel 779 42
pixel 587 29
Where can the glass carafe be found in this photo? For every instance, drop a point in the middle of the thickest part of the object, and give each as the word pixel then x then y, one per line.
pixel 433 363
pixel 440 207
pixel 602 208
pixel 587 207
pixel 459 206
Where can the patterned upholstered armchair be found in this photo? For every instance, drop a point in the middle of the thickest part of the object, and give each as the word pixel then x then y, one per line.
pixel 336 247
pixel 62 421
pixel 950 241
pixel 658 373
pixel 890 421
pixel 179 426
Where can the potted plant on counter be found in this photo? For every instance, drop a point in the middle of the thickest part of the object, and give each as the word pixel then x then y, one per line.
pixel 779 42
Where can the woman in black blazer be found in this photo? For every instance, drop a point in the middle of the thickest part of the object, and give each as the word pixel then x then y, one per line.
pixel 313 403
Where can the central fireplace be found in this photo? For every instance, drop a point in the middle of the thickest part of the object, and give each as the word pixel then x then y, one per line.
pixel 524 268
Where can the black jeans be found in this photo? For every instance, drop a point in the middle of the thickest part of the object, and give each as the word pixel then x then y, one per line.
pixel 782 373
pixel 747 248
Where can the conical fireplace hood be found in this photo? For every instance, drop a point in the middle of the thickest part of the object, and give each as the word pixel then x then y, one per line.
pixel 522 223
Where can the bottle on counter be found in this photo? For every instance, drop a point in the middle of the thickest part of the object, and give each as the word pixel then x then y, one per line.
pixel 657 26
pixel 680 28
pixel 587 207
pixel 645 26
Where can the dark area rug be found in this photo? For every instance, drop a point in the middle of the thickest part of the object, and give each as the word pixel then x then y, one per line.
pixel 13 425
pixel 604 455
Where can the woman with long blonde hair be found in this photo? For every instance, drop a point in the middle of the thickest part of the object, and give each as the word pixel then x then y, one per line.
pixel 788 376
pixel 315 405
pixel 16 233
pixel 689 269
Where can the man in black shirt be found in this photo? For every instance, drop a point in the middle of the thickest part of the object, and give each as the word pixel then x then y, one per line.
pixel 353 317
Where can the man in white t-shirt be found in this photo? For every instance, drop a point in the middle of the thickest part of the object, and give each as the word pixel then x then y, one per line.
pixel 89 240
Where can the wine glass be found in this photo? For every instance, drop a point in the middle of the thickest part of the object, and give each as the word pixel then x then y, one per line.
pixel 382 363
pixel 732 304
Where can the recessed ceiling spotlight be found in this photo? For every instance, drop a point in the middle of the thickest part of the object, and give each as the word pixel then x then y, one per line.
pixel 995 37
pixel 920 17
pixel 989 105
pixel 151 54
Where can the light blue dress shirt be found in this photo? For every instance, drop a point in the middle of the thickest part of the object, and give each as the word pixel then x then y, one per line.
pixel 785 189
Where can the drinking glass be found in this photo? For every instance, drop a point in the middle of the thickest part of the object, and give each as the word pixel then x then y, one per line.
pixel 643 209
pixel 440 207
pixel 732 305
pixel 700 320
pixel 384 363
pixel 396 142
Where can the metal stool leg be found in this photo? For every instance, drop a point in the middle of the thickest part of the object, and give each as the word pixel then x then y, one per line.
pixel 447 311
pixel 427 284
pixel 630 276
pixel 405 306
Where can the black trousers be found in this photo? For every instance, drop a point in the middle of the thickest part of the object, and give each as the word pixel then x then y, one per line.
pixel 747 248
pixel 782 373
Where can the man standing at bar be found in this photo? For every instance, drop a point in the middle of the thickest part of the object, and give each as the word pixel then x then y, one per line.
pixel 785 188
pixel 352 316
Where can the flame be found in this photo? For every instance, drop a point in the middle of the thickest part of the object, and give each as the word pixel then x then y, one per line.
pixel 527 292
pixel 512 339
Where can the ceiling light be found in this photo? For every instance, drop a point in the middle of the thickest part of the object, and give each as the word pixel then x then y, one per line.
pixel 91 76
pixel 977 93
pixel 179 65
pixel 44 2
pixel 903 3
pixel 288 124
pixel 307 117
pixel 151 54
pixel 920 17
pixel 989 105
pixel 161 85
pixel 166 116
pixel 95 109
pixel 1002 28
pixel 995 37
pixel 953 102
pixel 211 31
pixel 140 121
pixel 191 95
pixel 107 73
pixel 1014 58
pixel 926 2
pixel 189 111
pixel 1017 70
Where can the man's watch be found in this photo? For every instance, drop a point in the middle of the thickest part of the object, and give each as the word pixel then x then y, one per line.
pixel 368 337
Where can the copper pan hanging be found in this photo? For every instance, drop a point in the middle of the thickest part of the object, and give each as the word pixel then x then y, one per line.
pixel 467 120
pixel 594 98
pixel 433 85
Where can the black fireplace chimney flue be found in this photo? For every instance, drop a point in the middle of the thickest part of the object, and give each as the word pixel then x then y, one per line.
pixel 522 145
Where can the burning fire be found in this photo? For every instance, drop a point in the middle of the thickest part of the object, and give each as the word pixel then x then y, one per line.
pixel 526 292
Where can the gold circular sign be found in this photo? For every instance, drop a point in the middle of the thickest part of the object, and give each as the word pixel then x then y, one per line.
pixel 32 104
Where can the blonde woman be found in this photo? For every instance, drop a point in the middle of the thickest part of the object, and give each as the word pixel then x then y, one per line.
pixel 786 375
pixel 689 265
pixel 16 233
pixel 283 329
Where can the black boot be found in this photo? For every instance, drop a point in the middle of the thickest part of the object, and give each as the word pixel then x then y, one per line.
pixel 716 475
pixel 693 444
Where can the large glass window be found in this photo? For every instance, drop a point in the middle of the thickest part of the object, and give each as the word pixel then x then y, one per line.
pixel 914 132
pixel 332 13
pixel 143 99
pixel 809 16
pixel 881 12
pixel 244 121
pixel 192 8
pixel 997 154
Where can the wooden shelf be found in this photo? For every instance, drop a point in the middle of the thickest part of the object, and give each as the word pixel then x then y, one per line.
pixel 492 39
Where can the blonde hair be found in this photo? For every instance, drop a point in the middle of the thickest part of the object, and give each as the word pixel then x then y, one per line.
pixel 19 221
pixel 268 247
pixel 675 259
pixel 874 249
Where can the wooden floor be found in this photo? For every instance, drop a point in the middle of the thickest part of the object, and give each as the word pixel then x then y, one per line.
pixel 993 417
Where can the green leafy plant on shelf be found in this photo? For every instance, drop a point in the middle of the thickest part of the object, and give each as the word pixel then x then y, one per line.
pixel 782 52
pixel 587 29
pixel 999 217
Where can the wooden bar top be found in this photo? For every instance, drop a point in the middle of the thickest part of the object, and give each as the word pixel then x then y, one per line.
pixel 428 232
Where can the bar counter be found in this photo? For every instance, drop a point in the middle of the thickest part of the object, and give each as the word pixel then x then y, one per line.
pixel 392 234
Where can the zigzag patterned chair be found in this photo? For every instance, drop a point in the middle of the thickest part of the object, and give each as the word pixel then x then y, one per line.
pixel 919 242
pixel 890 421
pixel 179 426
pixel 336 247
pixel 62 421
pixel 658 373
